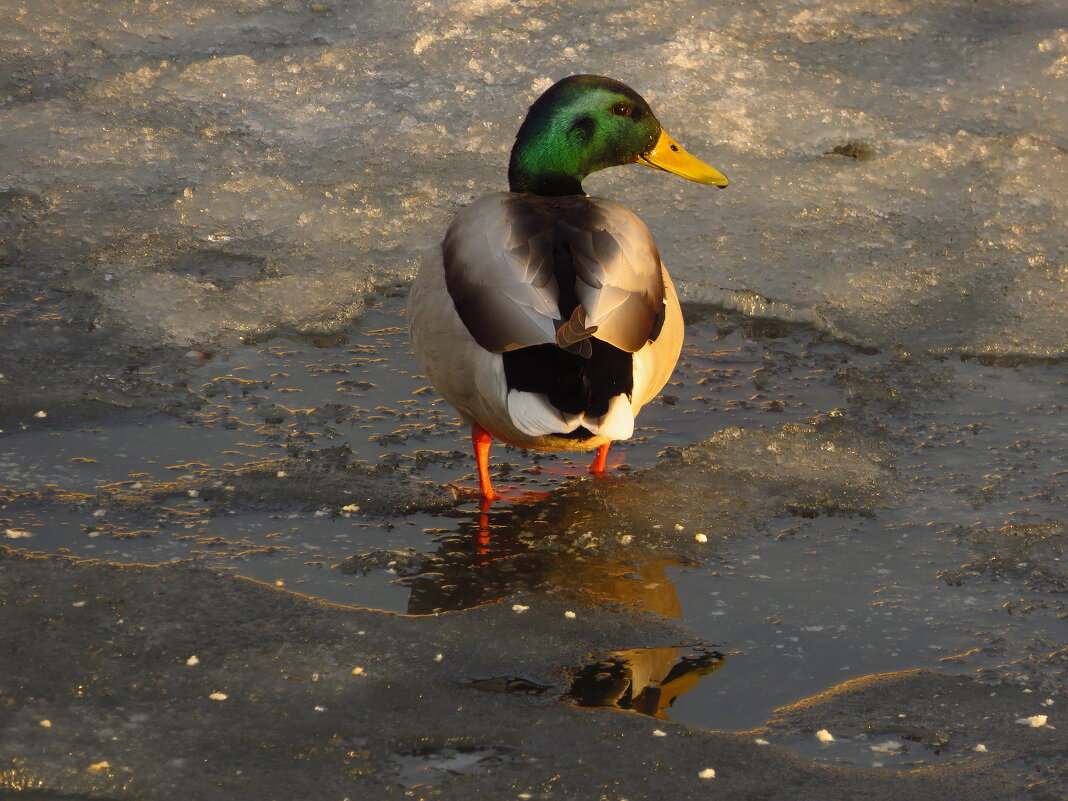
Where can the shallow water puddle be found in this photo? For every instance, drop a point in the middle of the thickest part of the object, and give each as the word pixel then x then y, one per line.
pixel 798 600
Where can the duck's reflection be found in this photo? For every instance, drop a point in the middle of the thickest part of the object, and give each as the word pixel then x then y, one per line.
pixel 543 547
pixel 645 680
pixel 538 546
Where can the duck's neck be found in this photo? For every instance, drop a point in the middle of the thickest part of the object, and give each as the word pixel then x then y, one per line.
pixel 552 184
pixel 546 161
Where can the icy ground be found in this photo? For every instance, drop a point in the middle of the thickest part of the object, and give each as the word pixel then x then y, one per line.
pixel 209 216
pixel 810 514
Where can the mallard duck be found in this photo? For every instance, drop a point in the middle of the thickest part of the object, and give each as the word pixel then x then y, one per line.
pixel 548 320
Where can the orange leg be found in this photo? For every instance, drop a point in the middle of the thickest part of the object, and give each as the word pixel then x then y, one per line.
pixel 600 460
pixel 480 442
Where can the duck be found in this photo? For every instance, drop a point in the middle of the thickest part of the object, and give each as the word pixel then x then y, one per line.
pixel 546 318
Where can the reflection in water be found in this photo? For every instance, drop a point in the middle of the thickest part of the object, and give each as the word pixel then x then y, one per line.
pixel 645 680
pixel 499 552
pixel 536 546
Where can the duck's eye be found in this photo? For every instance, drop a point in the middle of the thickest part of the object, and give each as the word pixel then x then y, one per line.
pixel 622 109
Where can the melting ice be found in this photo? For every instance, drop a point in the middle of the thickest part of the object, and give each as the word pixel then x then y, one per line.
pixel 195 172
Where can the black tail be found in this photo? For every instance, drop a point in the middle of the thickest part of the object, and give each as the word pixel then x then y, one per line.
pixel 572 383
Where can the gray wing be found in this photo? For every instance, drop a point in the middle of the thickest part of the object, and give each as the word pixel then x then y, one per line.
pixel 618 276
pixel 507 256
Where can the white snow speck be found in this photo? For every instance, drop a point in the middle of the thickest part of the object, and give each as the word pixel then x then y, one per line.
pixel 761 741
pixel 700 537
pixel 193 660
pixel 519 608
pixel 438 657
pixel 193 493
pixel 980 748
pixel 17 534
pixel 281 474
pixel 1035 721
pixel 41 415
pixel 1048 702
pixel 707 773
pixel 569 615
pixel 679 527
pixel 659 733
pixel 626 539
pixel 78 604
pixel 824 736
pixel 218 696
pixel 319 708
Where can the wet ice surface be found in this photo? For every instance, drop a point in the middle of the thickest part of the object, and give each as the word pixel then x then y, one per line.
pixel 917 523
pixel 231 180
pixel 151 498
pixel 432 766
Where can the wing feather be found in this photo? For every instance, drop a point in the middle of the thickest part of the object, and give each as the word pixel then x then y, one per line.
pixel 508 256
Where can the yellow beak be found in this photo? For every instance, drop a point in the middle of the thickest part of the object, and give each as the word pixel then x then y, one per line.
pixel 667 155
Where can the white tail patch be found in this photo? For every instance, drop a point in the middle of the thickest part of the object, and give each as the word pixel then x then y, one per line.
pixel 532 414
pixel 616 423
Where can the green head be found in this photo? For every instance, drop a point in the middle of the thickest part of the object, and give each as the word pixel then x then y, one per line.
pixel 586 123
